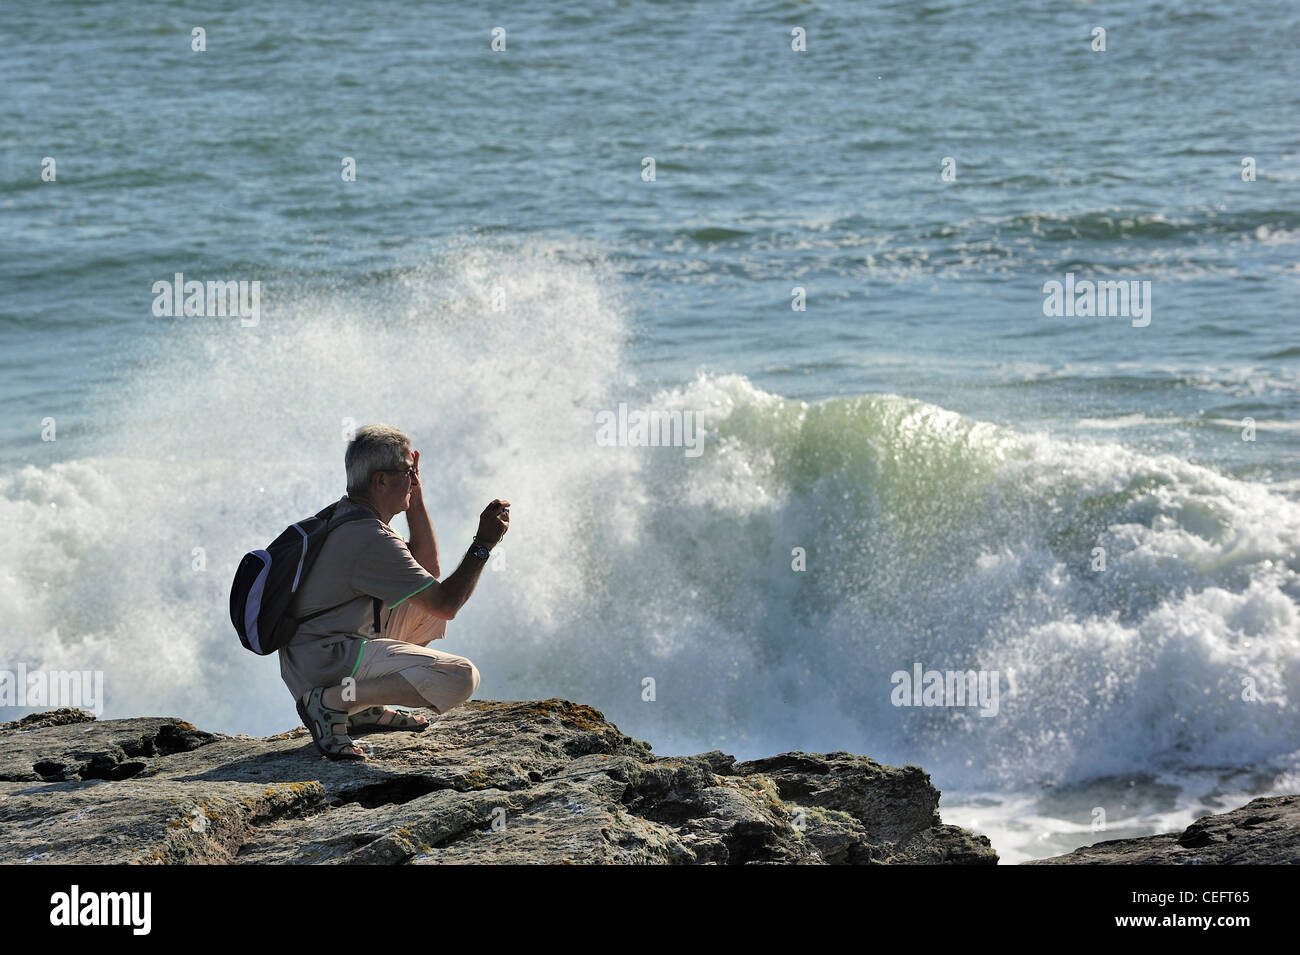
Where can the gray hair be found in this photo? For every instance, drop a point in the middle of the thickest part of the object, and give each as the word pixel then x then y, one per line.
pixel 374 447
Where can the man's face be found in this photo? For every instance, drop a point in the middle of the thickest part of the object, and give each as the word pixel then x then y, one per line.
pixel 395 487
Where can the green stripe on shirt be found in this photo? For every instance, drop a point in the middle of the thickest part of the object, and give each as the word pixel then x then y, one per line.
pixel 413 593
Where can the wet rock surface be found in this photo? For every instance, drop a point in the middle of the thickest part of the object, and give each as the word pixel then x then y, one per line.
pixel 1265 831
pixel 545 781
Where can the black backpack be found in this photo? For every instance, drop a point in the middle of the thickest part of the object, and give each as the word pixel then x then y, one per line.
pixel 268 580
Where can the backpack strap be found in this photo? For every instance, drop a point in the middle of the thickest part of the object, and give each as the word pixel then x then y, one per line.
pixel 329 515
pixel 312 616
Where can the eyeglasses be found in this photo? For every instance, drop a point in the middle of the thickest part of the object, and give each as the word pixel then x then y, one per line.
pixel 409 472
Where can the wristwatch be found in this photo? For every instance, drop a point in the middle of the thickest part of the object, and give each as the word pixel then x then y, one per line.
pixel 478 550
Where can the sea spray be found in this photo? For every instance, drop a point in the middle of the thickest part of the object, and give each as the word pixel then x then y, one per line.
pixel 928 536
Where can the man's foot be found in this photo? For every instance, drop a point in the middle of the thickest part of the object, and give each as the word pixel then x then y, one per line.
pixel 379 719
pixel 328 727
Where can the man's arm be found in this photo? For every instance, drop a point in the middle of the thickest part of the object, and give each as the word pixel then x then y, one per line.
pixel 446 598
pixel 423 544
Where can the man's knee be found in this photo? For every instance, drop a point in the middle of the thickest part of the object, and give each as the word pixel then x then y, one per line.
pixel 454 685
pixel 469 680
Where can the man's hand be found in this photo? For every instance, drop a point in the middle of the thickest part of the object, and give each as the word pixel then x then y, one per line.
pixel 417 489
pixel 493 523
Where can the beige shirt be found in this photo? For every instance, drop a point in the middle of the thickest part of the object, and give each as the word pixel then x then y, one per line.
pixel 359 560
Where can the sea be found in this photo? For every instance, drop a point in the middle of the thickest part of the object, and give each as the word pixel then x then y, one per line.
pixel 836 255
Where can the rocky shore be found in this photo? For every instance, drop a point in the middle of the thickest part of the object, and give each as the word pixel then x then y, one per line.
pixel 1265 831
pixel 490 782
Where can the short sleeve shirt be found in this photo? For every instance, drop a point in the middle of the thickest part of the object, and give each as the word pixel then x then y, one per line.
pixel 360 560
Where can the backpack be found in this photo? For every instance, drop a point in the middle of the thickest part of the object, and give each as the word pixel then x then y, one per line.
pixel 267 581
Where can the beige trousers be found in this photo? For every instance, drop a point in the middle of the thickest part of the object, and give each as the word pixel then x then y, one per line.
pixel 444 679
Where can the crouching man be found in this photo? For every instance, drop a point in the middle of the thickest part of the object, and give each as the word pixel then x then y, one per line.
pixel 346 665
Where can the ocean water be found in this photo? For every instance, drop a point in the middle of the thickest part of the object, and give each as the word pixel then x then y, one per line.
pixel 948 460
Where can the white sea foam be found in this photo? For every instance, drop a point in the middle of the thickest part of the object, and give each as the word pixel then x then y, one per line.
pixel 928 537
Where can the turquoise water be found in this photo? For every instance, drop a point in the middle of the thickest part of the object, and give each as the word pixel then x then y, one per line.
pixel 947 456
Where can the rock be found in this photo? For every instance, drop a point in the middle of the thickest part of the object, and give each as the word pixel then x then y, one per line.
pixel 859 811
pixel 51 718
pixel 489 782
pixel 1265 831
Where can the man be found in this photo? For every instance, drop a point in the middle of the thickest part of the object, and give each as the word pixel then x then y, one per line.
pixel 341 672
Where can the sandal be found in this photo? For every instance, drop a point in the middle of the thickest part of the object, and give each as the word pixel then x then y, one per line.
pixel 320 721
pixel 382 719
